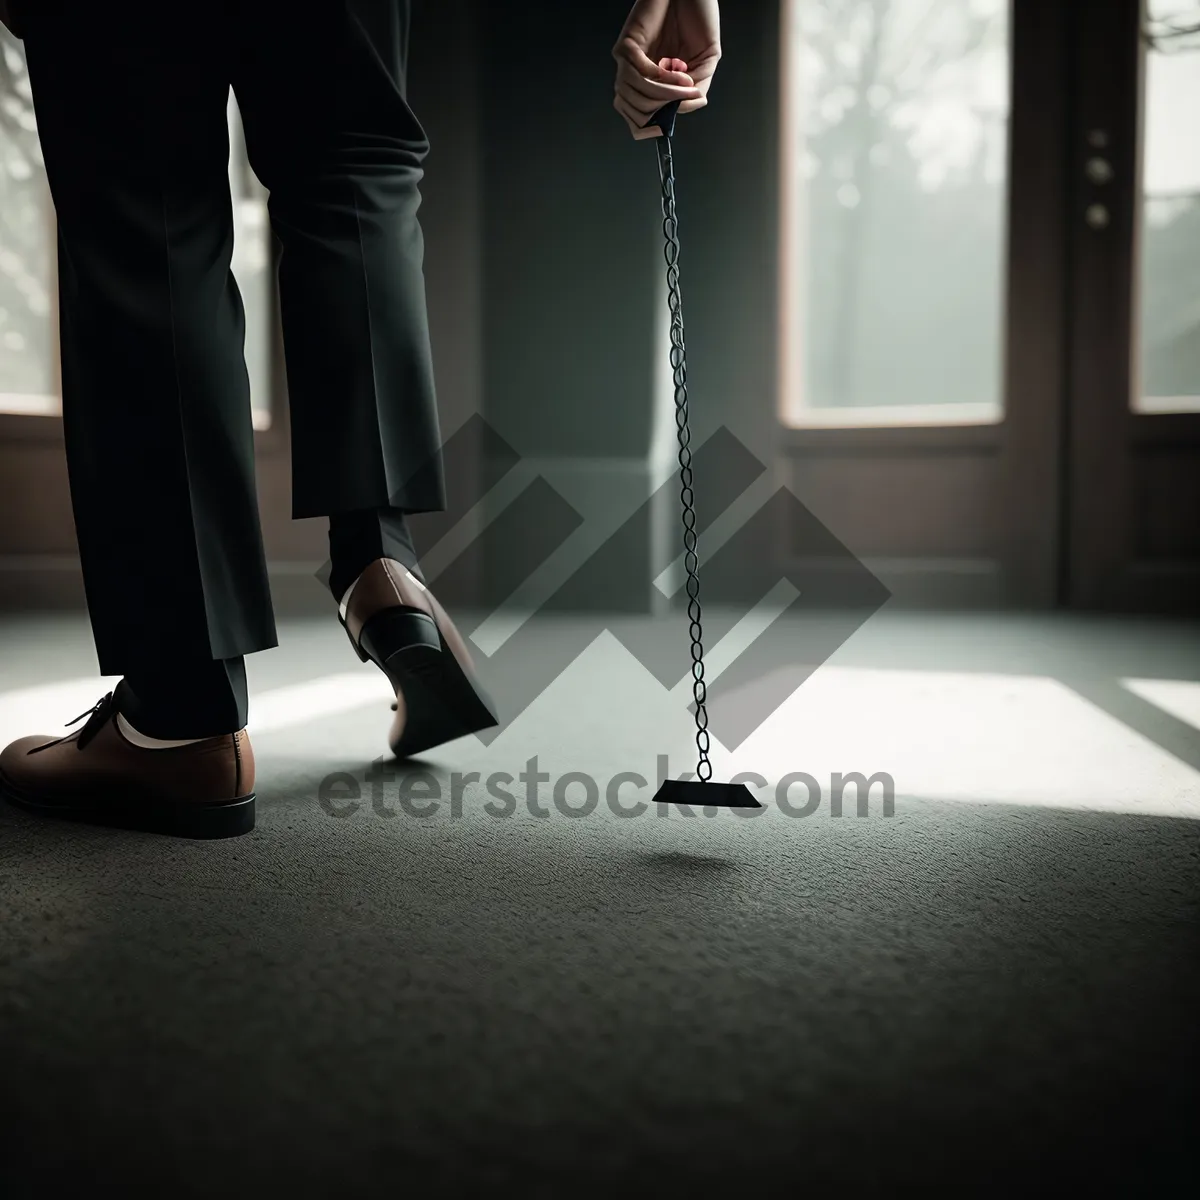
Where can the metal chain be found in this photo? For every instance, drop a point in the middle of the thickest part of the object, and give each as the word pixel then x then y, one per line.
pixel 666 171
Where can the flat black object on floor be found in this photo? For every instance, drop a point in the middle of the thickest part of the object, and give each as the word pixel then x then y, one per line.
pixel 696 793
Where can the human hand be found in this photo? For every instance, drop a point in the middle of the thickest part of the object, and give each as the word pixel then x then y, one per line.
pixel 668 50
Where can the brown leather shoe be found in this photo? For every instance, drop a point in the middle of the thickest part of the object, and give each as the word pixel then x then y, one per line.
pixel 201 790
pixel 394 621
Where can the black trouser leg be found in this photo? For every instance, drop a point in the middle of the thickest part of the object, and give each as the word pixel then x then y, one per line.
pixel 330 133
pixel 357 539
pixel 199 699
pixel 131 110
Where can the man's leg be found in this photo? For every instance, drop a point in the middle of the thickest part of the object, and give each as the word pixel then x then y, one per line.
pixel 330 133
pixel 131 113
pixel 357 539
pixel 131 109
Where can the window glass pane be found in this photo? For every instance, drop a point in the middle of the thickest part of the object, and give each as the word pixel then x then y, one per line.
pixel 898 141
pixel 1170 225
pixel 28 348
pixel 28 336
pixel 252 267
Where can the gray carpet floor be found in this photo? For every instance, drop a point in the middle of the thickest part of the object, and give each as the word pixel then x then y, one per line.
pixel 972 995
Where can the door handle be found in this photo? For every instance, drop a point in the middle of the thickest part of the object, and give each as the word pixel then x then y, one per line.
pixel 1099 172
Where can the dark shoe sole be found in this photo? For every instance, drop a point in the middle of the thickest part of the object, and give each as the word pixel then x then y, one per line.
pixel 116 809
pixel 442 701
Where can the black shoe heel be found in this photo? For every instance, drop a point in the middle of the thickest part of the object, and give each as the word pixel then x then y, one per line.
pixel 398 635
pixel 231 819
pixel 442 701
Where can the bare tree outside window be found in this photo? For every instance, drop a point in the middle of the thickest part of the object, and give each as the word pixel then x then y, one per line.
pixel 28 349
pixel 28 287
pixel 1169 348
pixel 900 182
pixel 252 267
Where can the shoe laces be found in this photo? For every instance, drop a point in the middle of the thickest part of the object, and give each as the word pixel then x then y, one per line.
pixel 98 716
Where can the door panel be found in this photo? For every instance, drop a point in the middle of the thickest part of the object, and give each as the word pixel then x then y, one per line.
pixel 923 170
pixel 1134 448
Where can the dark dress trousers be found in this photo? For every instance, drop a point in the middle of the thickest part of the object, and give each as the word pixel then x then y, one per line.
pixel 131 103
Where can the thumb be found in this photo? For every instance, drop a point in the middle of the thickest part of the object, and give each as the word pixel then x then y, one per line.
pixel 649 69
pixel 674 70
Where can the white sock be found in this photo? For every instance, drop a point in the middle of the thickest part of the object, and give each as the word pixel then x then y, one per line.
pixel 346 597
pixel 148 743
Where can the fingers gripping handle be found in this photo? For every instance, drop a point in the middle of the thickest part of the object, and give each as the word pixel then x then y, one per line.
pixel 665 118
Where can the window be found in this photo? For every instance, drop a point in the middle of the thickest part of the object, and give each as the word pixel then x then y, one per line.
pixel 895 193
pixel 1169 265
pixel 28 340
pixel 252 268
pixel 29 373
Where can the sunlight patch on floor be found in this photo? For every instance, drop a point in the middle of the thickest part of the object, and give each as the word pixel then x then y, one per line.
pixel 1179 697
pixel 45 709
pixel 971 737
pixel 285 707
pixel 940 735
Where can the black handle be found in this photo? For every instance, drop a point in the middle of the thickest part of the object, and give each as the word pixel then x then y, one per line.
pixel 665 118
